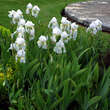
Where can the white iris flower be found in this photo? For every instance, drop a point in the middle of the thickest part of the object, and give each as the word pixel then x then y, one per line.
pixel 53 23
pixel 42 42
pixel 73 31
pixel 95 26
pixel 29 7
pixel 21 56
pixel 64 37
pixel 60 47
pixel 35 11
pixel 20 43
pixel 65 24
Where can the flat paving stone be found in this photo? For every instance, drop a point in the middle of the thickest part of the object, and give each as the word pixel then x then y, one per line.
pixel 86 12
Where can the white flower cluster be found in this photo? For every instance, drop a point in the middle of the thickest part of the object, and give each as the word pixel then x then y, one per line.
pixel 60 34
pixel 19 46
pixel 66 31
pixel 32 9
pixel 15 15
pixel 24 29
pixel 29 28
pixel 95 26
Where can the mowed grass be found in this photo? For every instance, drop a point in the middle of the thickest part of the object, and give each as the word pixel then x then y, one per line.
pixel 49 8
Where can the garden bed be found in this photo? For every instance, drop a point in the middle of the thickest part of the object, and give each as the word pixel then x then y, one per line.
pixel 56 65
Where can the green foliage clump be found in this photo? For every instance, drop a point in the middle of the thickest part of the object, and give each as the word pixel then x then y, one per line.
pixel 47 81
pixel 76 80
pixel 5 41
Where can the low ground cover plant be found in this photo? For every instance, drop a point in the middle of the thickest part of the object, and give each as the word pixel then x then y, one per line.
pixel 62 69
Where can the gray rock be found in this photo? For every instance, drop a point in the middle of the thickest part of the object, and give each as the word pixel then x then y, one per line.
pixel 86 12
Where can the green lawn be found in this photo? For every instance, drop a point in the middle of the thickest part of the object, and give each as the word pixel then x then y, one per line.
pixel 49 8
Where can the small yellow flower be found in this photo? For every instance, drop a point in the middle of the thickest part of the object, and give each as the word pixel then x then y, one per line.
pixel 8 74
pixel 1 76
pixel 9 70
